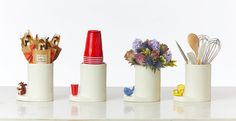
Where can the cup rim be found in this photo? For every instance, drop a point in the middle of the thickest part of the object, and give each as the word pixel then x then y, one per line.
pixel 74 84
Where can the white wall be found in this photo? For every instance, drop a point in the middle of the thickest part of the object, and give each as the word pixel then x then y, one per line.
pixel 121 21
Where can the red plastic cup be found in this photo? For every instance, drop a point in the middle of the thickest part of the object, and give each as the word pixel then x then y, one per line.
pixel 74 89
pixel 93 47
pixel 93 60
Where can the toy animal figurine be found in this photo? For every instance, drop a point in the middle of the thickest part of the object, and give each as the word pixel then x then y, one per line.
pixel 179 90
pixel 128 91
pixel 21 88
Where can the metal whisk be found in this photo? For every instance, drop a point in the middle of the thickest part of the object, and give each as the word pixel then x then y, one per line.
pixel 213 47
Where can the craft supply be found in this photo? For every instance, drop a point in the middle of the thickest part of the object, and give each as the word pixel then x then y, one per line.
pixel 40 50
pixel 193 42
pixel 192 58
pixel 42 56
pixel 55 49
pixel 182 52
pixel 27 39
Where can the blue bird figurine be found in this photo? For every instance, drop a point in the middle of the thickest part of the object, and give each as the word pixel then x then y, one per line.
pixel 128 91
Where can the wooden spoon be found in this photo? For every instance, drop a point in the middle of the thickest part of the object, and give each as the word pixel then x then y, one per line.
pixel 193 42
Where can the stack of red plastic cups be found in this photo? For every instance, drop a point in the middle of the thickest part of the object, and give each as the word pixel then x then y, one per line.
pixel 92 71
pixel 93 53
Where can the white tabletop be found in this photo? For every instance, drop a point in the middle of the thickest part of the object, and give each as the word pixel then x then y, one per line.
pixel 222 106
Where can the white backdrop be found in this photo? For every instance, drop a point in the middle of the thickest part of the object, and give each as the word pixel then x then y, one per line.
pixel 121 21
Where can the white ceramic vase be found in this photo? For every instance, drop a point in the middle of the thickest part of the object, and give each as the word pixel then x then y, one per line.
pixel 147 85
pixel 40 83
pixel 92 83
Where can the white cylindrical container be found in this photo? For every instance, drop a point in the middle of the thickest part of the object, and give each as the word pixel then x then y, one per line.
pixel 40 82
pixel 147 84
pixel 93 82
pixel 198 82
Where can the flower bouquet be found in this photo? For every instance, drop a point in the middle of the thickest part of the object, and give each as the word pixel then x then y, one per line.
pixel 147 57
pixel 150 53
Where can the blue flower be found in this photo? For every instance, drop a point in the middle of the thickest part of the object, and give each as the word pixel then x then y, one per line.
pixel 158 64
pixel 148 60
pixel 128 91
pixel 154 44
pixel 137 44
pixel 146 45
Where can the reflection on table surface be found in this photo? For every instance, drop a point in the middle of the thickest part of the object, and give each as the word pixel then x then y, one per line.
pixel 192 110
pixel 223 105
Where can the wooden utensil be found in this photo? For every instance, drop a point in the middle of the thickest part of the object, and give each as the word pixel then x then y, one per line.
pixel 193 42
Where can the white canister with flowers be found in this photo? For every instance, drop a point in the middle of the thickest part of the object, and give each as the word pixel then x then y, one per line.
pixel 148 57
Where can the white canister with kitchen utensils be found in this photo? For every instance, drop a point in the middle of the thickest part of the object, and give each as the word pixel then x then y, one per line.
pixel 92 83
pixel 198 82
pixel 40 83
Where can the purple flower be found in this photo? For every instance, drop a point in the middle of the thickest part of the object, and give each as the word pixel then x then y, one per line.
pixel 137 44
pixel 154 44
pixel 168 57
pixel 139 58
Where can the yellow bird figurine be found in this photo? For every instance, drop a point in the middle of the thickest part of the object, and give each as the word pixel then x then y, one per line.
pixel 179 91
